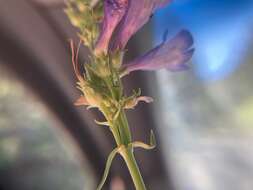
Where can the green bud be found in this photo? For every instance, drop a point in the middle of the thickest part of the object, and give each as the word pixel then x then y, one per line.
pixel 81 6
pixel 117 59
pixel 103 71
pixel 93 98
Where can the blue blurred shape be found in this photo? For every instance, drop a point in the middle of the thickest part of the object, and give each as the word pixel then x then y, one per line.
pixel 221 30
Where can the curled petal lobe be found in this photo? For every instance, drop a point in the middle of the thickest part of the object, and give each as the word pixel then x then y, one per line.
pixel 182 40
pixel 114 10
pixel 146 99
pixel 138 13
pixel 134 102
pixel 172 55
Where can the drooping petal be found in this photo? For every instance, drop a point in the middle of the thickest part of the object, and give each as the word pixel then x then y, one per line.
pixel 138 13
pixel 114 10
pixel 172 55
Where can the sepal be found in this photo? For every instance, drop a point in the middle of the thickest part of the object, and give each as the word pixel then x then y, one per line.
pixel 132 101
pixel 103 123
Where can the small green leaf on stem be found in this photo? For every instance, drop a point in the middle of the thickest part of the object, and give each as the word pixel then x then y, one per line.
pixel 152 145
pixel 107 167
pixel 152 139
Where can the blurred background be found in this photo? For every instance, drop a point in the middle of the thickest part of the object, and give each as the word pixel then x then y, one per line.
pixel 202 118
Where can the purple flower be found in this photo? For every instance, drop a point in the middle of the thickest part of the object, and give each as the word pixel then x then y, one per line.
pixel 114 10
pixel 171 55
pixel 138 14
pixel 129 16
pixel 123 18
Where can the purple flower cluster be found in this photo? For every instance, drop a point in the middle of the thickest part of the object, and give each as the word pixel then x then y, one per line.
pixel 114 11
pixel 123 18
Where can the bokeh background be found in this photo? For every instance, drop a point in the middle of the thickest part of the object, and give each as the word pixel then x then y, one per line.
pixel 203 118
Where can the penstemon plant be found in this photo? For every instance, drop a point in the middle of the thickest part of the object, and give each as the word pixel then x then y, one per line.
pixel 105 28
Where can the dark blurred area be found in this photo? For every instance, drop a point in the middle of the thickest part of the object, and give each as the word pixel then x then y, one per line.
pixel 202 117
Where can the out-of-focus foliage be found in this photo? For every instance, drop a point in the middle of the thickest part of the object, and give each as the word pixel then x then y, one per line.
pixel 31 154
pixel 206 114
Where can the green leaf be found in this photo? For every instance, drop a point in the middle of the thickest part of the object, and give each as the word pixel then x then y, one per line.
pixel 152 145
pixel 107 167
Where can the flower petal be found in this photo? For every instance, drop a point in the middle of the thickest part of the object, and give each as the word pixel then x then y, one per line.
pixel 138 13
pixel 163 3
pixel 114 10
pixel 171 55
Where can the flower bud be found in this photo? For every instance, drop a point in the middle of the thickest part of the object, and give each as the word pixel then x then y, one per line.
pixel 93 98
pixel 131 103
pixel 117 59
pixel 103 71
pixel 81 6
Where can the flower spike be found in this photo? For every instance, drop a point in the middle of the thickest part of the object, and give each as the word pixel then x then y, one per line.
pixel 100 78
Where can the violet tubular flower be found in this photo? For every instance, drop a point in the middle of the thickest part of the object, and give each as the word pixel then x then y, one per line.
pixel 114 10
pixel 138 14
pixel 172 55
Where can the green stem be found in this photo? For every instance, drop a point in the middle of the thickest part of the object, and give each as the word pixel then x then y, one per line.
pixel 133 168
pixel 124 127
pixel 127 152
pixel 116 135
pixel 121 124
pixel 114 128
